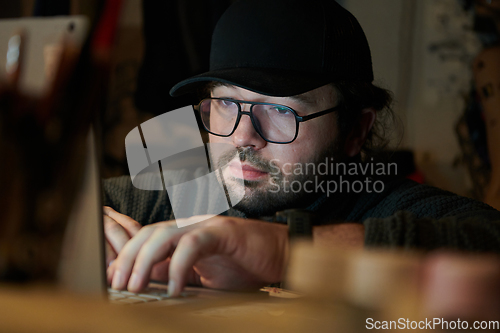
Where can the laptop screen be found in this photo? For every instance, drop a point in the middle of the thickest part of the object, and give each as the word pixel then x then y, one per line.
pixel 82 267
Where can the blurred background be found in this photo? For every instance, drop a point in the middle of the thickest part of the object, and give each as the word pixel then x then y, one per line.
pixel 423 51
pixel 440 58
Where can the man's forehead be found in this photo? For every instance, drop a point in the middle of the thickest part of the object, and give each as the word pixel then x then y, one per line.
pixel 308 98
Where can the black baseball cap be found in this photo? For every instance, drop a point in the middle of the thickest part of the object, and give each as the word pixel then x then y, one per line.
pixel 285 48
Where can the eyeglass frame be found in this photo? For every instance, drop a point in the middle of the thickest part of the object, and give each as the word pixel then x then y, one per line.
pixel 298 119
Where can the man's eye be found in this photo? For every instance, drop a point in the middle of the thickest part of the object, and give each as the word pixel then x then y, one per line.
pixel 282 110
pixel 226 103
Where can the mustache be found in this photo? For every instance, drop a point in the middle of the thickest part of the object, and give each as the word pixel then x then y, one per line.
pixel 245 155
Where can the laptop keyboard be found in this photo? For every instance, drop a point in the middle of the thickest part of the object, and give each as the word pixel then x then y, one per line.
pixel 147 295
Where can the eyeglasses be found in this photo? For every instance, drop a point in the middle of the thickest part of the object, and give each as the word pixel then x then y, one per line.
pixel 275 123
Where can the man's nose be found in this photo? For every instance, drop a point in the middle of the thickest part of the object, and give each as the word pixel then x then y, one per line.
pixel 245 135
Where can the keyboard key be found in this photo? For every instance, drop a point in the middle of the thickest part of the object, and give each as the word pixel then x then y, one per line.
pixel 145 296
pixel 127 301
pixel 151 297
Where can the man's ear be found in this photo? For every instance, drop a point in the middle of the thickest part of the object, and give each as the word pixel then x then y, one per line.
pixel 357 137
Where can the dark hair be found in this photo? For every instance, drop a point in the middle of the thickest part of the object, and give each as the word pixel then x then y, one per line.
pixel 353 97
pixel 356 96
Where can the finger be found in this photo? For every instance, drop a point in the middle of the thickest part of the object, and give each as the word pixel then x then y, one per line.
pixel 110 273
pixel 125 260
pixel 201 220
pixel 116 235
pixel 110 254
pixel 159 272
pixel 192 247
pixel 156 249
pixel 129 224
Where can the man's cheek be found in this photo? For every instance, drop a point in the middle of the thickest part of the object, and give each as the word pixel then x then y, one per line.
pixel 215 139
pixel 275 169
pixel 221 154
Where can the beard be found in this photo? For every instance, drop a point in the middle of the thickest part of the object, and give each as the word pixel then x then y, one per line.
pixel 276 192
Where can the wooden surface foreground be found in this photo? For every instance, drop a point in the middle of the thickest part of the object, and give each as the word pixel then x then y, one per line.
pixel 43 310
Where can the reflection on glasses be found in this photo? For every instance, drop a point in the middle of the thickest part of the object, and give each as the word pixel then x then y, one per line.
pixel 275 123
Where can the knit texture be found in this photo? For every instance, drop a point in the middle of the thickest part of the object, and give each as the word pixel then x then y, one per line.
pixel 405 215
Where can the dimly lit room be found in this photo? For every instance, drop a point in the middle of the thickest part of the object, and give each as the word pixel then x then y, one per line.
pixel 249 165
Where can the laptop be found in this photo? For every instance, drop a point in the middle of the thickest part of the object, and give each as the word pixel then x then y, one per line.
pixel 83 264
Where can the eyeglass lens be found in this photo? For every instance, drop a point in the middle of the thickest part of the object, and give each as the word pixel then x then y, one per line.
pixel 274 122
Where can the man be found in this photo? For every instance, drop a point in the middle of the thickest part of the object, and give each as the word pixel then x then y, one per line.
pixel 289 88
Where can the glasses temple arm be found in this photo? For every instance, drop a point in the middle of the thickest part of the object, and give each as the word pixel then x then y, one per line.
pixel 318 114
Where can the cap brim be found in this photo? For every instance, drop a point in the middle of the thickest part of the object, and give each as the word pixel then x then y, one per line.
pixel 270 82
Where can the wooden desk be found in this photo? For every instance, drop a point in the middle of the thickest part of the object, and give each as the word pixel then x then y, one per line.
pixel 44 310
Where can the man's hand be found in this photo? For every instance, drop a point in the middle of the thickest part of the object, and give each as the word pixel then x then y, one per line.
pixel 221 252
pixel 118 229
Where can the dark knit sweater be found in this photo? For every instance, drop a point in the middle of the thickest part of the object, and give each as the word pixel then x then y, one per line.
pixel 406 214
